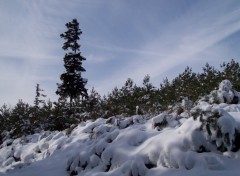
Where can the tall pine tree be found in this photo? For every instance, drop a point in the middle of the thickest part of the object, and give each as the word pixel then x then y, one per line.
pixel 37 101
pixel 73 85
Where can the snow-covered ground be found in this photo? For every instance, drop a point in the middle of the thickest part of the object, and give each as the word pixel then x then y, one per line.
pixel 167 144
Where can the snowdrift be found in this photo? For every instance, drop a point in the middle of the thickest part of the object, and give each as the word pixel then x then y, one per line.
pixel 203 140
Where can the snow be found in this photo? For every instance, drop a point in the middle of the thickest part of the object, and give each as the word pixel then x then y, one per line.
pixel 227 124
pixel 98 148
pixel 225 85
pixel 225 92
pixel 167 144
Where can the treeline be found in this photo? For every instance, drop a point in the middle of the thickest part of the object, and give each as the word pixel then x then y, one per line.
pixel 128 100
pixel 147 99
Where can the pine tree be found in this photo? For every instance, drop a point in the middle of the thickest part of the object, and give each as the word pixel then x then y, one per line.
pixel 114 104
pixel 5 124
pixel 37 101
pixel 128 104
pixel 231 71
pixel 167 93
pixel 36 116
pixel 148 98
pixel 188 84
pixel 93 105
pixel 208 79
pixel 20 122
pixel 73 85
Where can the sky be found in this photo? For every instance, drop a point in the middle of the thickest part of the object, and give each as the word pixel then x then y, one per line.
pixel 121 39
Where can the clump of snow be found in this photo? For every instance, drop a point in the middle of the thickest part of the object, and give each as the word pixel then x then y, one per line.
pixel 138 167
pixel 225 85
pixel 138 119
pixel 225 94
pixel 218 126
pixel 160 121
pixel 186 103
pixel 228 127
pixel 164 120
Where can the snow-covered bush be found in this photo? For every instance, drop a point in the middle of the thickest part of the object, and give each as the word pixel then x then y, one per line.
pixel 164 120
pixel 224 94
pixel 218 126
pixel 159 122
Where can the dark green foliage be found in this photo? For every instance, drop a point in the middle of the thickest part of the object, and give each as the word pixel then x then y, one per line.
pixel 46 114
pixel 21 121
pixel 73 85
pixel 5 117
pixel 209 124
pixel 62 116
pixel 37 100
pixel 213 120
pixel 185 84
pixel 195 85
pixel 126 96
pixel 209 121
pixel 130 99
pixel 149 99
pixel 36 115
pixel 231 71
pixel 167 95
pixel 208 79
pixel 93 105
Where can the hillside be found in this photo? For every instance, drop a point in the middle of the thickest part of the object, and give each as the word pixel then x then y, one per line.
pixel 199 139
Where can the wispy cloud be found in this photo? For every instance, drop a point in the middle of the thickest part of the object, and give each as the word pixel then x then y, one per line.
pixel 120 39
pixel 182 42
pixel 30 46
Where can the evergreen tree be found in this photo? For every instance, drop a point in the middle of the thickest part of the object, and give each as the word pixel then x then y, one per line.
pixel 188 85
pixel 93 105
pixel 36 116
pixel 46 112
pixel 37 100
pixel 128 103
pixel 5 114
pixel 166 93
pixel 21 122
pixel 208 79
pixel 231 71
pixel 148 99
pixel 62 118
pixel 73 85
pixel 114 105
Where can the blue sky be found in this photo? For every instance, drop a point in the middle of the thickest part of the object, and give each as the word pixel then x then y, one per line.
pixel 121 39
